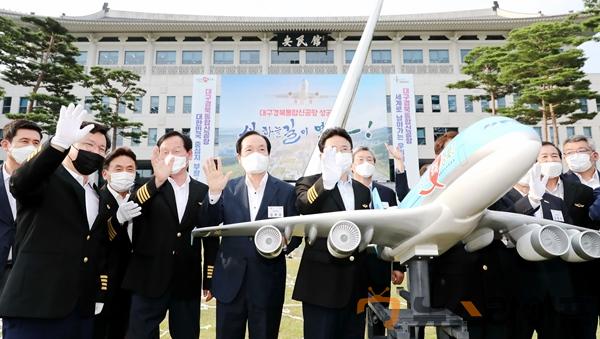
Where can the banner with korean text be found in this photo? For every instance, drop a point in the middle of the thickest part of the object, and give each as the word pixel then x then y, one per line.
pixel 404 124
pixel 204 101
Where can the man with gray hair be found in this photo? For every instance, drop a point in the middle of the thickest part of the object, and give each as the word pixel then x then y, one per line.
pixel 581 156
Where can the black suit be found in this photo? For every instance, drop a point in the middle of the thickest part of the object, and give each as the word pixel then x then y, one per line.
pixel 59 261
pixel 7 231
pixel 330 288
pixel 165 270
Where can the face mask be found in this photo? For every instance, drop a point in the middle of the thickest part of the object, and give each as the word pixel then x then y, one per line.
pixel 179 163
pixel 551 169
pixel 579 162
pixel 121 181
pixel 366 169
pixel 343 160
pixel 87 162
pixel 255 163
pixel 21 154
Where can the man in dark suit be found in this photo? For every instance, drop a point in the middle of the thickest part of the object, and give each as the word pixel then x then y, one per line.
pixel 581 157
pixel 330 288
pixel 165 270
pixel 249 287
pixel 119 174
pixel 58 275
pixel 21 138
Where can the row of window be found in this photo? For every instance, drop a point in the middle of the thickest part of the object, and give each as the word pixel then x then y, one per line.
pixel 247 57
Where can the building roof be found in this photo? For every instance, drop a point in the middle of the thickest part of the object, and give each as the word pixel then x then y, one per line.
pixel 108 20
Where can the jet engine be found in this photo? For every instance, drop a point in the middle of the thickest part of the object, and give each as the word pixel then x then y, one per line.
pixel 584 246
pixel 268 241
pixel 543 242
pixel 343 239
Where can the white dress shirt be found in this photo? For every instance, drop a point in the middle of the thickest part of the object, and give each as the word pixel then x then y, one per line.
pixel 347 193
pixel 594 182
pixel 559 192
pixel 91 198
pixel 255 196
pixel 120 200
pixel 11 201
pixel 181 195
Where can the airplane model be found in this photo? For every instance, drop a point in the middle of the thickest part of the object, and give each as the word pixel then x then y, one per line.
pixel 303 94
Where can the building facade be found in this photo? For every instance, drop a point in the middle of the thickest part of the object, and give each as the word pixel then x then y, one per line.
pixel 167 50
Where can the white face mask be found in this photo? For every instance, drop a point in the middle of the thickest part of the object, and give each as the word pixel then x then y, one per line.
pixel 255 163
pixel 551 169
pixel 179 163
pixel 579 162
pixel 20 154
pixel 121 181
pixel 366 169
pixel 343 160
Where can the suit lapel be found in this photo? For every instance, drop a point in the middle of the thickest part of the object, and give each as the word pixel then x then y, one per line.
pixel 569 193
pixel 362 195
pixel 337 197
pixel 76 188
pixel 270 193
pixel 169 196
pixel 5 210
pixel 194 191
pixel 241 191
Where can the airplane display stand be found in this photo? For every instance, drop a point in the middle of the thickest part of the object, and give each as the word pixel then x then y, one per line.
pixel 408 322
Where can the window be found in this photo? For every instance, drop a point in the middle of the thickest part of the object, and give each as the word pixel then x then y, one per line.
pixel 501 102
pixel 551 134
pixel 388 103
pixel 154 102
pixel 468 104
pixel 348 55
pixel 439 131
pixel 419 104
pixel 249 57
pixel 185 131
pixel 570 131
pixel 166 57
pixel 435 104
pixel 108 57
pixel 587 131
pixel 105 103
pixel 187 104
pixel 452 103
pixel 217 104
pixel 583 106
pixel 121 107
pixel 134 57
pixel 485 105
pixel 87 103
pixel 439 56
pixel 381 56
pixel 152 136
pixel 23 102
pixel 285 58
pixel 223 57
pixel 170 104
pixel 191 57
pixel 463 54
pixel 421 140
pixel 597 104
pixel 81 59
pixel 6 103
pixel 313 57
pixel 119 138
pixel 138 105
pixel 538 130
pixel 135 142
pixel 412 56
pixel 169 130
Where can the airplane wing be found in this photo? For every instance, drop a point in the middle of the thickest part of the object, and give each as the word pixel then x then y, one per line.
pixel 503 222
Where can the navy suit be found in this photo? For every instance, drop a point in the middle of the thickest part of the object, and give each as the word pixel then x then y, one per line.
pixel 247 286
pixel 7 230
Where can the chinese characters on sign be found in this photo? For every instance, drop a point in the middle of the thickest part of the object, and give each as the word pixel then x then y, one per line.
pixel 294 41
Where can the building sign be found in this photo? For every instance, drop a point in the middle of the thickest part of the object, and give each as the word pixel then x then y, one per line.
pixel 404 124
pixel 203 122
pixel 295 41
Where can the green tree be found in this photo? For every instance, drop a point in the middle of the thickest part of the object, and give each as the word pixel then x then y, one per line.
pixel 111 89
pixel 545 64
pixel 482 65
pixel 592 13
pixel 39 53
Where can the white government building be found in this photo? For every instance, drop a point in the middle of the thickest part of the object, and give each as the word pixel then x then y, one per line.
pixel 168 49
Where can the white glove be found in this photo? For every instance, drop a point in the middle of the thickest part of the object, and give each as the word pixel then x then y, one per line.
pixel 128 211
pixel 537 185
pixel 68 127
pixel 331 172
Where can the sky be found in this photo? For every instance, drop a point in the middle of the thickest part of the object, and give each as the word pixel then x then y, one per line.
pixel 302 8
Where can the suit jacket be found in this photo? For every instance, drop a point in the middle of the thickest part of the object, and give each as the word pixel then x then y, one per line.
pixel 7 226
pixel 58 260
pixel 164 253
pixel 401 181
pixel 324 280
pixel 237 260
pixel 571 176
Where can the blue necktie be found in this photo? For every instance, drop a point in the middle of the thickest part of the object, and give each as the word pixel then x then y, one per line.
pixel 376 200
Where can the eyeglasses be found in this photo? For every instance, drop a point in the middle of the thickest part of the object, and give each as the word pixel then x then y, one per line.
pixel 578 151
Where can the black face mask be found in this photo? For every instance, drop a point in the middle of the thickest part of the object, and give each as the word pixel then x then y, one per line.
pixel 87 162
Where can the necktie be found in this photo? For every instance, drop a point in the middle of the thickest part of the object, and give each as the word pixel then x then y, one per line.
pixel 376 200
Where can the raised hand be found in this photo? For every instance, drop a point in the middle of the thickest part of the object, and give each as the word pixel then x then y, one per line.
pixel 127 211
pixel 331 171
pixel 68 127
pixel 215 178
pixel 395 153
pixel 537 183
pixel 162 169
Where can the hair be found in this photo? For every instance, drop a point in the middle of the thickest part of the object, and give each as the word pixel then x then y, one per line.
pixel 98 128
pixel 331 132
pixel 187 141
pixel 121 151
pixel 238 143
pixel 363 148
pixel 441 141
pixel 11 129
pixel 578 138
pixel 548 143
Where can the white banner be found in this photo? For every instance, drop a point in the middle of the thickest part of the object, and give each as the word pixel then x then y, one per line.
pixel 204 99
pixel 404 123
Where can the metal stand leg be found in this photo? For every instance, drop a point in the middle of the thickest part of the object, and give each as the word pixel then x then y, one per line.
pixel 407 322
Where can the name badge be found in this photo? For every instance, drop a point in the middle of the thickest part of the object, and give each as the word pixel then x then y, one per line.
pixel 385 204
pixel 557 215
pixel 275 212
